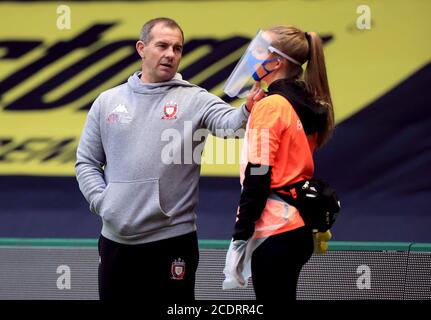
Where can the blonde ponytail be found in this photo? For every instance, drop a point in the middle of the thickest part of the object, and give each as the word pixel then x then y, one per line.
pixel 316 81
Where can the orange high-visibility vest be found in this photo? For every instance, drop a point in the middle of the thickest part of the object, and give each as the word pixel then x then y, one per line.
pixel 275 137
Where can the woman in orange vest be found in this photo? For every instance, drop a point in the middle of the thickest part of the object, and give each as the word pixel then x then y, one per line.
pixel 283 130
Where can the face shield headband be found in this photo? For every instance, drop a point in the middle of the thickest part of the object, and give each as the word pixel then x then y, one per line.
pixel 254 62
pixel 275 50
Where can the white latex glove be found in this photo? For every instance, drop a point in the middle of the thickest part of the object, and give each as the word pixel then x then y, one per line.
pixel 234 265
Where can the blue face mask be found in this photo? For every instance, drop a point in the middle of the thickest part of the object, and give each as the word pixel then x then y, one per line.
pixel 253 61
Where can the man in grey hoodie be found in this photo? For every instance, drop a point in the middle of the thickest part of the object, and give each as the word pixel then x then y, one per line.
pixel 146 198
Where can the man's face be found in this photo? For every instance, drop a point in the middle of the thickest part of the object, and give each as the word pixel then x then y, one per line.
pixel 161 56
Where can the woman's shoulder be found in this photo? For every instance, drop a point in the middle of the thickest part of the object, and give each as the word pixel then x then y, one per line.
pixel 273 103
pixel 271 110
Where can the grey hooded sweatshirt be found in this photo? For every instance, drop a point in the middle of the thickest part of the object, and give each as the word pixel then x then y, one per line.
pixel 135 163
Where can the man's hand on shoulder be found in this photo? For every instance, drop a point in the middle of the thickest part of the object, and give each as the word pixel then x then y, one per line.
pixel 256 93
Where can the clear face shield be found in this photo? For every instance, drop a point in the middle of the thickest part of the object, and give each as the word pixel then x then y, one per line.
pixel 251 67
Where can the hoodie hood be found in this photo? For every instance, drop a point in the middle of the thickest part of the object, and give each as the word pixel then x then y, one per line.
pixel 311 113
pixel 138 86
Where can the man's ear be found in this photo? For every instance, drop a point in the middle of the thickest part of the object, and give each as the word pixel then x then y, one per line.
pixel 140 48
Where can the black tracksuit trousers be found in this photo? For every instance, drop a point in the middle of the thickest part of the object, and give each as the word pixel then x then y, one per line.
pixel 160 271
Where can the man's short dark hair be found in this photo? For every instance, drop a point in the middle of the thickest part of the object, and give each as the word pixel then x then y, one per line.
pixel 145 35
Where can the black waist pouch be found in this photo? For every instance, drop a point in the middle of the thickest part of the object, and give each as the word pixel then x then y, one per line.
pixel 315 200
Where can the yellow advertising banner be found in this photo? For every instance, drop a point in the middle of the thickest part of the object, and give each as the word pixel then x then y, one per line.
pixel 55 58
